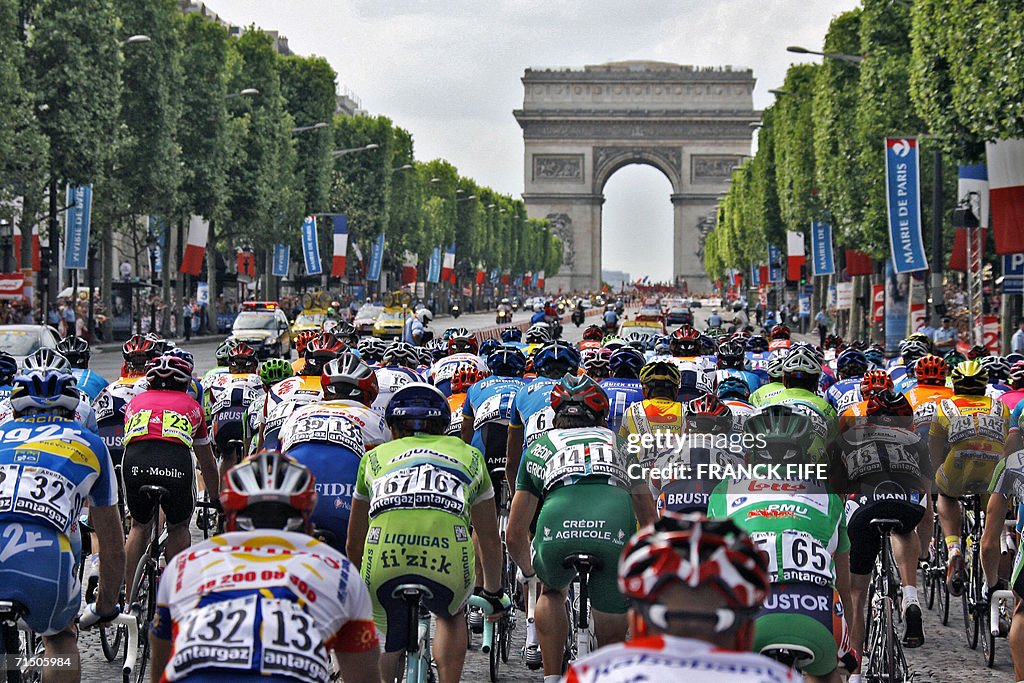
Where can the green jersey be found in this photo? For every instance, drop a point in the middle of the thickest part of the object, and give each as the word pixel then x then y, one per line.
pixel 765 392
pixel 421 477
pixel 799 524
pixel 562 457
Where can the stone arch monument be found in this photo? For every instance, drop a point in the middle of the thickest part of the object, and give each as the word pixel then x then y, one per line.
pixel 581 126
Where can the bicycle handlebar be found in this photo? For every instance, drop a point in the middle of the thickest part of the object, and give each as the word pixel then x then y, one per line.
pixel 487 642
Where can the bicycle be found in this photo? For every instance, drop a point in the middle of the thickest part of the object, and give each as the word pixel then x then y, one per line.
pixel 934 573
pixel 971 600
pixel 583 641
pixel 18 645
pixel 419 659
pixel 886 661
pixel 531 650
pixel 999 614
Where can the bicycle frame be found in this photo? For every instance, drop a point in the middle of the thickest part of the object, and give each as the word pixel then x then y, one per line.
pixel 132 617
pixel 418 656
pixel 886 657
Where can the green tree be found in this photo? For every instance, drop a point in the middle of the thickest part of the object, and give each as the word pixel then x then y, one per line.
pixel 794 147
pixel 308 85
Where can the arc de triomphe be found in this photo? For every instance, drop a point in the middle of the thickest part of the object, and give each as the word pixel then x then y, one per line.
pixel 580 126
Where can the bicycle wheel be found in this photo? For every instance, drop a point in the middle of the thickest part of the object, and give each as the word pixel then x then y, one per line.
pixel 143 607
pixel 869 621
pixel 494 655
pixel 111 641
pixel 969 599
pixel 940 575
pixel 888 626
pixel 988 641
pixel 10 646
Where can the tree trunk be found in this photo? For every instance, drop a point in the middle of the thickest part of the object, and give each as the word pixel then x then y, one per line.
pixel 180 292
pixel 165 280
pixel 211 280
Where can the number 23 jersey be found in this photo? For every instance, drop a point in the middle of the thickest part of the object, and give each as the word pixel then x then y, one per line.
pixel 261 603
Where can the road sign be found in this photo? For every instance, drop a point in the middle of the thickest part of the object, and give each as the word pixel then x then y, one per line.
pixel 1013 274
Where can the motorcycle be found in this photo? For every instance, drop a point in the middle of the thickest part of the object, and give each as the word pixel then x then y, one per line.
pixel 515 305
pixel 577 317
pixel 503 317
pixel 456 310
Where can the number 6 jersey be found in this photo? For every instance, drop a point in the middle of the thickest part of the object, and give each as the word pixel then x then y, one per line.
pixel 261 603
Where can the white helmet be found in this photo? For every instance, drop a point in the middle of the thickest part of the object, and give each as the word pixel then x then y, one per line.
pixel 424 315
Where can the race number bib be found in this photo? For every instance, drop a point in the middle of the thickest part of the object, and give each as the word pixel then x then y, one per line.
pixel 538 423
pixel 332 429
pixel 497 408
pixel 583 460
pixel 47 494
pixel 795 556
pixel 137 425
pixel 455 425
pixel 8 482
pixel 176 426
pixel 419 487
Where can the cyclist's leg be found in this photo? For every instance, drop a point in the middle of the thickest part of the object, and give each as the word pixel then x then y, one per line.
pixel 951 518
pixel 449 647
pixel 552 626
pixel 864 547
pixel 1016 640
pixel 991 551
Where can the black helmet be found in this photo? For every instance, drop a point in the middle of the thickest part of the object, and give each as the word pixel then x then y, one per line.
pixel 76 350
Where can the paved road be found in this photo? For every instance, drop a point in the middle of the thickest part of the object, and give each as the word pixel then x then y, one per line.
pixel 944 656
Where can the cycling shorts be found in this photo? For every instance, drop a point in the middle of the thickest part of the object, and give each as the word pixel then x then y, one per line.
pixel 159 463
pixel 494 437
pixel 865 542
pixel 581 518
pixel 334 470
pixel 805 615
pixel 1017 575
pixel 227 425
pixel 425 547
pixel 960 475
pixel 45 580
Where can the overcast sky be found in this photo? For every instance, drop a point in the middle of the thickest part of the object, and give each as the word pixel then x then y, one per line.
pixel 449 72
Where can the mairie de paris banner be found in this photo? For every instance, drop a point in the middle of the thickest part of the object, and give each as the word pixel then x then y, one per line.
pixel 822 260
pixel 903 191
pixel 311 246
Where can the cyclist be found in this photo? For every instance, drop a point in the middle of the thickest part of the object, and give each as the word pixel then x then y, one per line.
pixel 111 402
pixel 162 426
pixel 592 337
pixel 648 424
pixel 851 365
pixel 687 623
pixel 998 372
pixel 731 362
pixel 884 465
pixel 464 378
pixel 774 386
pixel 757 357
pixel 51 465
pixel 271 371
pixel 398 368
pixel 779 337
pixel 967 439
pixel 226 398
pixel 78 353
pixel 48 359
pixel 575 489
pixel 414 501
pixel 8 369
pixel 684 345
pixel 623 387
pixel 801 370
pixel 249 592
pixel 372 349
pixel 930 372
pixel 735 394
pixel 1012 398
pixel 461 353
pixel 531 410
pixel 513 336
pixel 301 342
pixel 902 371
pixel 801 526
pixel 1007 483
pixel 594 363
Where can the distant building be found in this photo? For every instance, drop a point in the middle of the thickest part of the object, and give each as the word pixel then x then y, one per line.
pixel 615 278
pixel 348 104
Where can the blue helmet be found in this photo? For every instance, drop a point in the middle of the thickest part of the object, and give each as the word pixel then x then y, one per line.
pixel 733 387
pixel 511 334
pixel 489 346
pixel 181 353
pixel 556 359
pixel 851 363
pixel 44 390
pixel 507 362
pixel 419 407
pixel 8 367
pixel 626 362
pixel 875 357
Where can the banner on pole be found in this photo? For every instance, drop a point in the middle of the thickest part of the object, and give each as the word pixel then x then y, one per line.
pixel 282 257
pixel 1005 165
pixel 202 294
pixel 844 295
pixel 340 246
pixel 434 267
pixel 311 246
pixel 76 227
pixel 1013 274
pixel 795 255
pixel 448 265
pixel 12 286
pixel 897 308
pixel 156 232
pixel 902 183
pixel 195 247
pixel 376 258
pixel 877 303
pixel 774 263
pixel 822 260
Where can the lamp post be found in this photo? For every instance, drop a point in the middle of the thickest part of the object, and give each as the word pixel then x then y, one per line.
pixel 839 56
pixel 133 40
pixel 244 92
pixel 338 153
pixel 316 126
pixel 6 237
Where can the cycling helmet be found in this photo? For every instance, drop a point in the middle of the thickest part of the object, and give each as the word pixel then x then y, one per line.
pixel 507 362
pixel 1017 374
pixel 464 377
pixel 417 408
pixel 306 336
pixel 224 351
pixel 685 341
pixel 556 359
pixel 489 346
pixel 708 415
pixel 320 351
pixel 875 381
pixel 731 354
pixel 612 341
pixel 596 364
pixel 708 345
pixel 8 367
pixel 931 369
pixel 912 349
pixel 859 344
pixel 779 332
pixel 426 356
pixel 511 335
pixel 45 358
pixel 593 333
pixel 538 333
pixel 969 377
pixel 401 355
pixel 347 377
pixel 268 491
pixel 625 363
pixel 874 357
pixel 851 363
pixel 660 373
pixel 954 358
pixel 802 360
pixel 1012 358
pixel 181 353
pixel 694 382
pixel 44 390
pixel 242 358
pixel 169 372
pixel 735 388
pixel 345 331
pixel 76 350
pixel 462 342
pixel 159 343
pixel 774 366
pixel 580 396
pixel 437 348
pixel 889 403
pixel 372 349
pixel 661 345
pixel 274 370
pixel 996 366
pixel 832 341
pixel 977 351
pixel 757 344
pixel 778 434
pixel 696 552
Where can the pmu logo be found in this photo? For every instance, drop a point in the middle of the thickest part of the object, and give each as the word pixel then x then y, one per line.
pixel 901 148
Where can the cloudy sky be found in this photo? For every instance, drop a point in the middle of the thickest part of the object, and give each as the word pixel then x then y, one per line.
pixel 449 72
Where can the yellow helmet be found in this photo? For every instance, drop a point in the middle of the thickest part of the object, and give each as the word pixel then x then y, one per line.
pixel 661 372
pixel 969 377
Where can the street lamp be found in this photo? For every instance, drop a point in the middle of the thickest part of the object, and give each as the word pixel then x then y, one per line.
pixel 245 92
pixel 6 236
pixel 840 56
pixel 315 126
pixel 132 40
pixel 342 152
pixel 403 167
pixel 466 199
pixel 780 92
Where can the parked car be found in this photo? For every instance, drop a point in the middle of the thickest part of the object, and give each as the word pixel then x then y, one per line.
pixel 678 315
pixel 365 317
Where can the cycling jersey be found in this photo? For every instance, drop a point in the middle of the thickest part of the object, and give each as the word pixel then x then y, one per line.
pixel 582 480
pixel 843 393
pixel 85 415
pixel 622 393
pixel 974 430
pixel 1012 399
pixel 757 363
pixel 165 415
pixel 668 658
pixel 1008 481
pixel 302 388
pixel 752 380
pixel 227 397
pixel 5 391
pixel 681 479
pixel 110 405
pixel 455 403
pixel 765 393
pixel 49 466
pixel 531 409
pixel 390 380
pixel 740 410
pixel 89 381
pixel 420 491
pixel 489 402
pixel 649 417
pixel 250 605
pixel 776 344
pixel 442 371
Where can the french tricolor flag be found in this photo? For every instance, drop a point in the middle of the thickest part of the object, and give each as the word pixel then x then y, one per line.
pixel 448 265
pixel 340 246
pixel 795 254
pixel 195 247
pixel 972 179
pixel 1006 194
pixel 540 280
pixel 35 248
pixel 409 268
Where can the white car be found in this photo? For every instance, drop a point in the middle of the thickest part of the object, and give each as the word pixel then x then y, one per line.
pixel 24 340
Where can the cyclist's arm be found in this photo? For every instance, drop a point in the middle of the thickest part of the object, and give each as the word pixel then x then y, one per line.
pixel 208 468
pixel 842 564
pixel 643 507
pixel 358 525
pixel 466 431
pixel 1014 442
pixel 106 520
pixel 513 453
pixel 485 524
pixel 160 656
pixel 937 445
pixel 517 535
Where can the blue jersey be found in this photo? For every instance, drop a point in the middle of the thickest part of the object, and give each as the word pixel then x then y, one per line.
pixel 622 393
pixel 902 380
pixel 843 393
pixel 531 409
pixel 752 379
pixel 90 382
pixel 5 391
pixel 757 363
pixel 490 401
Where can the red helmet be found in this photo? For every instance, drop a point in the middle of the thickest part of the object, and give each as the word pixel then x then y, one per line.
pixel 319 352
pixel 465 377
pixel 931 370
pixel 889 403
pixel 579 395
pixel 708 414
pixel 780 332
pixel 169 372
pixel 243 358
pixel 304 338
pixel 138 350
pixel 268 491
pixel 875 381
pixel 462 343
pixel 593 333
pixel 685 341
